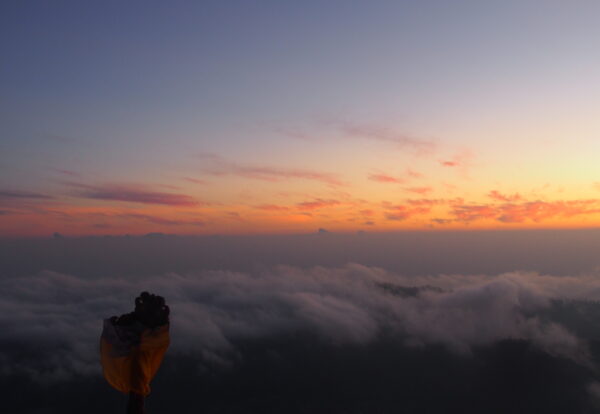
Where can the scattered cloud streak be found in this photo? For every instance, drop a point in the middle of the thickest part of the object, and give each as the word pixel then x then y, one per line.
pixel 414 174
pixel 194 180
pixel 461 161
pixel 419 190
pixel 468 212
pixel 410 208
pixel 69 173
pixel 272 207
pixel 373 132
pixel 160 220
pixel 535 211
pixel 317 204
pixel 401 140
pixel 132 194
pixel 504 197
pixel 218 166
pixel 384 178
pixel 16 194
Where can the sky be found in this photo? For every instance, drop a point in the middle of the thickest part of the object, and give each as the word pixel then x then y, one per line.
pixel 288 117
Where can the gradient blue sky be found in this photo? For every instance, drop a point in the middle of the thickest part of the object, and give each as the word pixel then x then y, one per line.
pixel 135 94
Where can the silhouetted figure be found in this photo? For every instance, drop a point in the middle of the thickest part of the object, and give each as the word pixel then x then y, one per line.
pixel 132 347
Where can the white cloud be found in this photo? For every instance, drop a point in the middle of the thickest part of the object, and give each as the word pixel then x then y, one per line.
pixel 57 319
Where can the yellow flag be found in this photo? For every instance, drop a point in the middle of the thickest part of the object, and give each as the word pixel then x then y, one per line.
pixel 131 355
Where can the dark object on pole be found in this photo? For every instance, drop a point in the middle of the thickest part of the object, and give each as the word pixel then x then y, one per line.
pixel 132 347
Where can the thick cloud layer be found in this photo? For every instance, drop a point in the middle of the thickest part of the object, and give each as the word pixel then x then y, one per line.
pixel 50 323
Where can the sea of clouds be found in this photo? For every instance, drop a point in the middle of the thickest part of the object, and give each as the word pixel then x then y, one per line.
pixel 50 322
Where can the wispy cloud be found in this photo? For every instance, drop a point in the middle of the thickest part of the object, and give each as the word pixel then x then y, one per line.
pixel 413 174
pixel 419 190
pixel 467 213
pixel 419 146
pixel 535 211
pixel 384 178
pixel 161 220
pixel 218 166
pixel 194 180
pixel 540 210
pixel 441 221
pixel 449 163
pixel 295 133
pixel 366 131
pixel 272 207
pixel 62 171
pixel 62 139
pixel 16 194
pixel 504 197
pixel 461 160
pixel 317 204
pixel 401 212
pixel 132 194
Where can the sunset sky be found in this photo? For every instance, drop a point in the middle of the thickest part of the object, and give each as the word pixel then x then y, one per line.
pixel 245 117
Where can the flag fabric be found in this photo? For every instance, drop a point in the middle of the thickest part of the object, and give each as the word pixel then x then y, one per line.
pixel 131 354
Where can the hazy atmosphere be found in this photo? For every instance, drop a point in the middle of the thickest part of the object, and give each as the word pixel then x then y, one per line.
pixel 376 207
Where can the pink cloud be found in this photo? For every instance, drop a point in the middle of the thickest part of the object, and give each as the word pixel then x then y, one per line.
pixel 216 165
pixel 400 213
pixel 272 207
pixel 413 174
pixel 317 204
pixel 170 186
pixel 441 221
pixel 161 220
pixel 381 133
pixel 194 180
pixel 502 197
pixel 411 208
pixel 384 178
pixel 132 194
pixel 449 163
pixel 540 210
pixel 375 132
pixel 234 214
pixel 419 190
pixel 66 172
pixel 425 202
pixel 461 160
pixel 536 211
pixel 17 194
pixel 467 213
pixel 292 133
